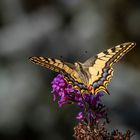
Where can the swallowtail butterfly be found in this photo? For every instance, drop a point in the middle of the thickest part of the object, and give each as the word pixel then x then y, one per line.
pixel 94 74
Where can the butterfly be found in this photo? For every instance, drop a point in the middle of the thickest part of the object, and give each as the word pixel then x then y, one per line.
pixel 94 74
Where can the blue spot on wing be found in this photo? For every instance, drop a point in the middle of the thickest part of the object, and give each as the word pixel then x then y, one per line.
pixel 105 70
pixel 95 84
pixel 102 79
pixel 99 82
pixel 105 74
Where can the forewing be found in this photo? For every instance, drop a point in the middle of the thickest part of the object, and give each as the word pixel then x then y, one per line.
pixel 99 68
pixel 67 69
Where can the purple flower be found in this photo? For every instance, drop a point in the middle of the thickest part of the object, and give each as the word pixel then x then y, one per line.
pixel 80 116
pixel 66 94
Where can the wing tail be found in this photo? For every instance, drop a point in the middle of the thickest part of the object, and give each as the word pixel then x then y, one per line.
pixel 101 89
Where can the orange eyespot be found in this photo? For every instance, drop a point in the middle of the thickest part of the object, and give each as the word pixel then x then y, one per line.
pixel 90 88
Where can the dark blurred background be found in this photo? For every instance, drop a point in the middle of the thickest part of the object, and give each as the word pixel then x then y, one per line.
pixel 72 30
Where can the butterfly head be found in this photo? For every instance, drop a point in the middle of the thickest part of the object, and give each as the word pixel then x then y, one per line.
pixel 78 65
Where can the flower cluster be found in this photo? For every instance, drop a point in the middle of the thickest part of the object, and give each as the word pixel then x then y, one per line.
pixel 91 107
pixel 85 132
pixel 91 115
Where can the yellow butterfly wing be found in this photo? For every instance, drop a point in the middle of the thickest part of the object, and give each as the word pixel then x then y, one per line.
pixel 67 69
pixel 99 68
